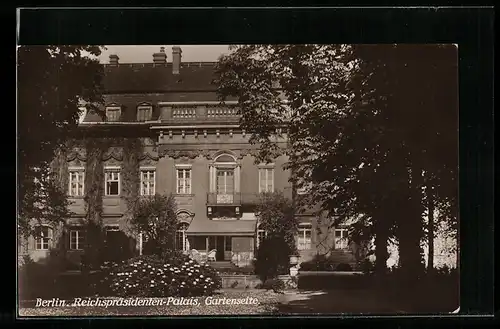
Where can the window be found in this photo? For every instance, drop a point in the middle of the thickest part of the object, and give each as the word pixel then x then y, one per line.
pixel 112 177
pixel 144 113
pixel 225 181
pixel 76 239
pixel 341 241
pixel 261 235
pixel 181 242
pixel 147 181
pixel 43 237
pixel 304 239
pixel 183 180
pixel 228 243
pixel 76 181
pixel 113 113
pixel 266 180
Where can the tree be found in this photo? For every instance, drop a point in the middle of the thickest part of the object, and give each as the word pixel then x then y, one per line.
pixel 276 217
pixel 364 123
pixel 53 82
pixel 155 217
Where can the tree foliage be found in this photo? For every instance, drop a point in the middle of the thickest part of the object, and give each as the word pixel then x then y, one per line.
pixel 368 126
pixel 155 217
pixel 276 217
pixel 53 81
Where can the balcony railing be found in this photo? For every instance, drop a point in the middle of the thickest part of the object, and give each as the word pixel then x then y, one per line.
pixel 199 113
pixel 236 198
pixel 232 199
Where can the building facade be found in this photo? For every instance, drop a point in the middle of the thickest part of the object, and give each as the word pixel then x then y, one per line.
pixel 192 147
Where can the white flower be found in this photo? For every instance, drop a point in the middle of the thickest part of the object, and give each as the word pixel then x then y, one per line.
pixel 201 275
pixel 173 279
pixel 152 281
pixel 182 282
pixel 189 274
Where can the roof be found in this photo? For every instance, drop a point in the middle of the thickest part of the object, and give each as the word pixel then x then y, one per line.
pixel 150 77
pixel 132 85
pixel 222 227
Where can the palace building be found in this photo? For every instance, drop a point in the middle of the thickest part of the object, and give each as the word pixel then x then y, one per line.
pixel 193 148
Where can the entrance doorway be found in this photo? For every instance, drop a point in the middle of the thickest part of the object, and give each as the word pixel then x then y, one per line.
pixel 222 245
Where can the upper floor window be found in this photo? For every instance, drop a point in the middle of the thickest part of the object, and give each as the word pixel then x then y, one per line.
pixel 112 181
pixel 144 113
pixel 147 181
pixel 113 113
pixel 225 180
pixel 183 180
pixel 76 181
pixel 76 238
pixel 43 237
pixel 266 180
pixel 304 238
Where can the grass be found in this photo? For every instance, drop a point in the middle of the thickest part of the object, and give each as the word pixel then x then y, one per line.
pixel 267 301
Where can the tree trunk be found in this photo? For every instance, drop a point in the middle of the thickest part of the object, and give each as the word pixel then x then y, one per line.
pixel 381 240
pixel 430 228
pixel 410 226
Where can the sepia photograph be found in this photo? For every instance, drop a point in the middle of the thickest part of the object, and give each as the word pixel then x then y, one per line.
pixel 235 180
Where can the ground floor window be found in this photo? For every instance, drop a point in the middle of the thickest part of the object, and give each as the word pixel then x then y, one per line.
pixel 43 237
pixel 304 238
pixel 261 235
pixel 341 238
pixel 181 242
pixel 76 238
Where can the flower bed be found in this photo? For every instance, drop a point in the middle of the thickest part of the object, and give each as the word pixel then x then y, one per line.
pixel 152 277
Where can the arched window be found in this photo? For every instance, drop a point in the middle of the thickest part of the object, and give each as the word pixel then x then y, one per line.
pixel 181 242
pixel 304 238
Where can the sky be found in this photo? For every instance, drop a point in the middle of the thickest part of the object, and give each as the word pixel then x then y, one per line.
pixel 144 54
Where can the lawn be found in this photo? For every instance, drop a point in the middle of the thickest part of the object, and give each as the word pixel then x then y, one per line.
pixel 267 301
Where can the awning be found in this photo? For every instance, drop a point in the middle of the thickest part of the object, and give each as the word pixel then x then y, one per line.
pixel 222 227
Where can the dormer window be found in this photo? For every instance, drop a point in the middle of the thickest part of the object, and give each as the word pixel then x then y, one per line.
pixel 113 113
pixel 144 113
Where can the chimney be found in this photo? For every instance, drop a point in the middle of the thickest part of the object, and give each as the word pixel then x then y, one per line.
pixel 160 58
pixel 113 59
pixel 176 59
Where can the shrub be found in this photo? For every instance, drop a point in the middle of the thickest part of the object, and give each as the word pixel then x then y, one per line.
pixel 275 285
pixel 318 263
pixel 343 267
pixel 367 266
pixel 150 276
pixel 272 258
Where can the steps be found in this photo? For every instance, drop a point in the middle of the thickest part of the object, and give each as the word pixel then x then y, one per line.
pixel 341 256
pixel 222 265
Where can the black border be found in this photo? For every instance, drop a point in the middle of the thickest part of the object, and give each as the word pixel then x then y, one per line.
pixel 470 28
